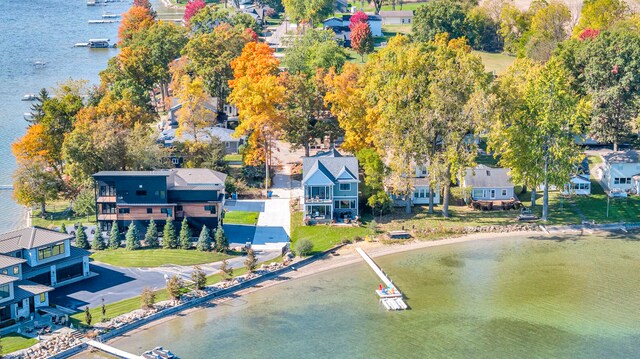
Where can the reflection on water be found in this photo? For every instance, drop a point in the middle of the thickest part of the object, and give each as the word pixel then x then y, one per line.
pixel 517 298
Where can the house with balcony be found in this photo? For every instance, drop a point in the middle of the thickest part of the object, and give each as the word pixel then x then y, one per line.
pixel 33 262
pixel 125 197
pixel 330 186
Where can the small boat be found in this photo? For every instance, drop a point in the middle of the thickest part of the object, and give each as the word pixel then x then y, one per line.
pixel 29 97
pixel 109 15
pixel 39 63
pixel 158 353
pixel 28 116
pixel 91 2
pixel 98 43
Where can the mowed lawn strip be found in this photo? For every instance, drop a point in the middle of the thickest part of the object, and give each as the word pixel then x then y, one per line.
pixel 323 236
pixel 241 217
pixel 156 257
pixel 14 341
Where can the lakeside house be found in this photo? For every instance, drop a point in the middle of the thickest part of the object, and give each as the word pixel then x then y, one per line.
pixel 34 261
pixel 420 194
pixel 578 184
pixel 227 118
pixel 340 25
pixel 620 173
pixel 399 17
pixel 330 186
pixel 488 184
pixel 125 197
pixel 225 135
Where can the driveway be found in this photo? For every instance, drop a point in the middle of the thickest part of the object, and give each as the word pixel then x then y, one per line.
pixel 116 283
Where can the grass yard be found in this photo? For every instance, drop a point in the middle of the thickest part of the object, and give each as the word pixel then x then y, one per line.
pixel 497 63
pixel 14 341
pixel 58 212
pixel 156 257
pixel 233 157
pixel 322 236
pixel 240 217
pixel 413 5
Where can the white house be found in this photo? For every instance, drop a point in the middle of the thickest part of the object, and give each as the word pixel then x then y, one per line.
pixel 578 184
pixel 401 17
pixel 620 172
pixel 489 184
pixel 339 24
pixel 420 193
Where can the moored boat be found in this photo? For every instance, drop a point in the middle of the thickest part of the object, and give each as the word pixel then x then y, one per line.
pixel 29 97
pixel 158 353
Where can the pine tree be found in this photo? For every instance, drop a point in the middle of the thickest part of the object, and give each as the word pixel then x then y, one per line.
pixel 87 316
pixel 132 241
pixel 114 236
pixel 98 241
pixel 81 238
pixel 63 228
pixel 151 237
pixel 251 262
pixel 222 244
pixel 185 235
pixel 204 241
pixel 169 239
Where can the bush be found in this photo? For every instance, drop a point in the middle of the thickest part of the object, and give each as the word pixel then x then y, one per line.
pixel 147 298
pixel 174 287
pixel 227 270
pixel 251 262
pixel 199 277
pixel 303 247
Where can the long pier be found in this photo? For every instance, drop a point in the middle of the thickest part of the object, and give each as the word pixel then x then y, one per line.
pixel 111 350
pixel 390 296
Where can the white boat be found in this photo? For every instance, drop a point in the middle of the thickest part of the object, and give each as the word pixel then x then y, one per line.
pixel 91 2
pixel 99 43
pixel 158 353
pixel 28 116
pixel 39 63
pixel 81 44
pixel 29 97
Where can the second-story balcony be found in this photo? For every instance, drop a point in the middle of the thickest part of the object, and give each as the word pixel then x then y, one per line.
pixel 318 194
pixel 106 199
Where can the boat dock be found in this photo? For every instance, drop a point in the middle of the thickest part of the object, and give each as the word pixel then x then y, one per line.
pixel 111 350
pixel 390 296
pixel 6 187
pixel 103 21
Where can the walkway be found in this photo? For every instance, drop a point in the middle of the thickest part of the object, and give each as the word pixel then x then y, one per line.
pixel 111 350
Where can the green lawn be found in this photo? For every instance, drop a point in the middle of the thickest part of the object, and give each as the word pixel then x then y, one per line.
pixel 497 63
pixel 156 257
pixel 322 236
pixel 57 213
pixel 406 6
pixel 235 157
pixel 14 341
pixel 240 217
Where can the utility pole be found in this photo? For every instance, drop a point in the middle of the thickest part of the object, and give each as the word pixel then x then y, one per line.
pixel 266 164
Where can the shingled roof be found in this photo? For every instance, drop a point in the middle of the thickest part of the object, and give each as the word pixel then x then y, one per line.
pixel 28 238
pixel 487 177
pixel 333 165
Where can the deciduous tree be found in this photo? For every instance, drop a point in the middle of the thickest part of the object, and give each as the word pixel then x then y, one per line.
pixel 199 278
pixel 437 17
pixel 361 39
pixel 251 262
pixel 316 48
pixel 600 14
pixel 133 21
pixel 34 184
pixel 192 8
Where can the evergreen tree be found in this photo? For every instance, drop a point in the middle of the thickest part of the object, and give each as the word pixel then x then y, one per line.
pixel 63 228
pixel 132 241
pixel 204 241
pixel 114 236
pixel 169 239
pixel 87 316
pixel 222 243
pixel 81 238
pixel 185 235
pixel 151 237
pixel 98 241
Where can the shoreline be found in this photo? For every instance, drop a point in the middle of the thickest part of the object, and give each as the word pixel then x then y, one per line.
pixel 346 256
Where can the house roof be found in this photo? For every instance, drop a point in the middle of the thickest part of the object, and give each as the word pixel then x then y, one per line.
pixel 398 13
pixel 8 261
pixel 487 177
pixel 5 279
pixel 30 237
pixel 622 157
pixel 155 173
pixel 332 164
pixel 190 177
pixel 580 179
pixel 27 289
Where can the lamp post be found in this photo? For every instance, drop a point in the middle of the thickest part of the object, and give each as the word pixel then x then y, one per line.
pixel 266 162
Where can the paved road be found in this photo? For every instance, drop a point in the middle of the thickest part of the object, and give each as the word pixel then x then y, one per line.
pixel 116 283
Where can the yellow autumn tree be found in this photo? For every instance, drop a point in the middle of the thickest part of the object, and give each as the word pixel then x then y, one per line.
pixel 194 114
pixel 256 92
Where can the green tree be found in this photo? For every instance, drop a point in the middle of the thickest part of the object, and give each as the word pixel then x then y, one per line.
pixel 437 17
pixel 85 203
pixel 34 184
pixel 147 298
pixel 514 28
pixel 175 285
pixel 185 235
pixel 97 244
pixel 81 238
pixel 226 269
pixel 373 187
pixel 169 239
pixel 315 49
pixel 548 28
pixel 222 243
pixel 114 236
pixel 482 30
pixel 87 316
pixel 199 278
pixel 308 11
pixel 104 311
pixel 251 262
pixel 600 14
pixel 303 247
pixel 132 238
pixel 151 236
pixel 63 228
pixel 204 240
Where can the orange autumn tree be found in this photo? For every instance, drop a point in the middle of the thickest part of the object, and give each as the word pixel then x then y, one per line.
pixel 134 20
pixel 257 93
pixel 33 146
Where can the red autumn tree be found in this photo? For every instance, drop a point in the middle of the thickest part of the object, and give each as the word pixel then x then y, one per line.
pixel 192 8
pixel 589 33
pixel 361 39
pixel 358 17
pixel 133 21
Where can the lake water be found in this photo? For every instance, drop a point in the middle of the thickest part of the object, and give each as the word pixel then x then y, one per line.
pixel 507 298
pixel 44 30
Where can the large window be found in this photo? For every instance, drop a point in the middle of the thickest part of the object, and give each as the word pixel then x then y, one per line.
pixel 345 203
pixel 477 193
pixel 621 180
pixel 5 292
pixel 108 208
pixel 421 193
pixel 50 251
pixel 504 192
pixel 210 209
pixel 345 186
pixel 123 210
pixel 166 211
pixel 107 191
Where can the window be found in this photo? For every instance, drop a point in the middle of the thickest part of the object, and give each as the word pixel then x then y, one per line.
pixel 345 186
pixel 421 193
pixel 619 180
pixel 345 203
pixel 124 210
pixel 106 190
pixel 504 192
pixel 50 251
pixel 4 291
pixel 227 144
pixel 43 297
pixel 57 249
pixel 4 271
pixel 149 210
pixel 141 193
pixel 178 208
pixel 211 209
pixel 477 193
pixel 166 211
pixel 16 270
pixel 108 208
pixel 162 194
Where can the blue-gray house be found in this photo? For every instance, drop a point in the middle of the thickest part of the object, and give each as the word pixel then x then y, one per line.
pixel 330 186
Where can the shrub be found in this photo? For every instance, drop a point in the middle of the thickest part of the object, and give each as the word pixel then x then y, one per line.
pixel 174 287
pixel 303 247
pixel 147 298
pixel 199 277
pixel 251 262
pixel 227 270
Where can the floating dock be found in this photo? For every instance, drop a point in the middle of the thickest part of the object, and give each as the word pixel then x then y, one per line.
pixel 103 21
pixel 390 297
pixel 111 350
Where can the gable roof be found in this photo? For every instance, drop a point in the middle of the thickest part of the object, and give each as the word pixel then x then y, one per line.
pixel 487 177
pixel 28 238
pixel 332 164
pixel 398 13
pixel 622 157
pixel 318 175
pixel 346 176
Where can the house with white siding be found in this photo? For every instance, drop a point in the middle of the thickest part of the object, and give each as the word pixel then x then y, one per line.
pixel 485 183
pixel 620 172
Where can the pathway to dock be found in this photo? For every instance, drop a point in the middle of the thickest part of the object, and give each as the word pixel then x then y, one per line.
pixel 111 350
pixel 390 296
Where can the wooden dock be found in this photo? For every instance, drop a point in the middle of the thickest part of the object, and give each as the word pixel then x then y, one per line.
pixel 390 297
pixel 113 351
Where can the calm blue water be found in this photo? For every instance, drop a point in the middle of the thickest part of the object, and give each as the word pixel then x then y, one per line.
pixel 43 30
